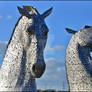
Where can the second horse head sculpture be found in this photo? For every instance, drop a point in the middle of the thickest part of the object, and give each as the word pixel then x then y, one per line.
pixel 79 60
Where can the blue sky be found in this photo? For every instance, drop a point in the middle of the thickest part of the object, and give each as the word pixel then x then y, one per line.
pixel 65 14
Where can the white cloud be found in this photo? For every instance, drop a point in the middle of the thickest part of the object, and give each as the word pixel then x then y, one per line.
pixel 54 76
pixel 59 69
pixel 9 16
pixel 4 42
pixel 54 62
pixel 51 39
pixel 1 17
pixel 50 59
pixel 55 48
pixel 3 45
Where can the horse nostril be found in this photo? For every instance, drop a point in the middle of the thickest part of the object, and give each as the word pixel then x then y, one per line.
pixel 38 69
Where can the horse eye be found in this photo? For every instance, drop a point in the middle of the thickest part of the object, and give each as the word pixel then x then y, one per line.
pixel 30 30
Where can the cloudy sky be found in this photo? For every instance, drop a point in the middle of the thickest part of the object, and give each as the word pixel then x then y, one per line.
pixel 65 14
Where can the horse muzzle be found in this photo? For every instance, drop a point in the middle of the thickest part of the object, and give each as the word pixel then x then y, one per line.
pixel 38 69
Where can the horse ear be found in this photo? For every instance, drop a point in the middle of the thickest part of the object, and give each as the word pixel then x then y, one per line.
pixel 30 8
pixel 70 31
pixel 47 13
pixel 23 12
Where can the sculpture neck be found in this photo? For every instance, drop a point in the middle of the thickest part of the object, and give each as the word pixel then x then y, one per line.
pixel 14 69
pixel 78 66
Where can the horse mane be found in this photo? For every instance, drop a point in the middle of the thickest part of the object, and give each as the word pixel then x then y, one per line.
pixel 12 35
pixel 13 31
